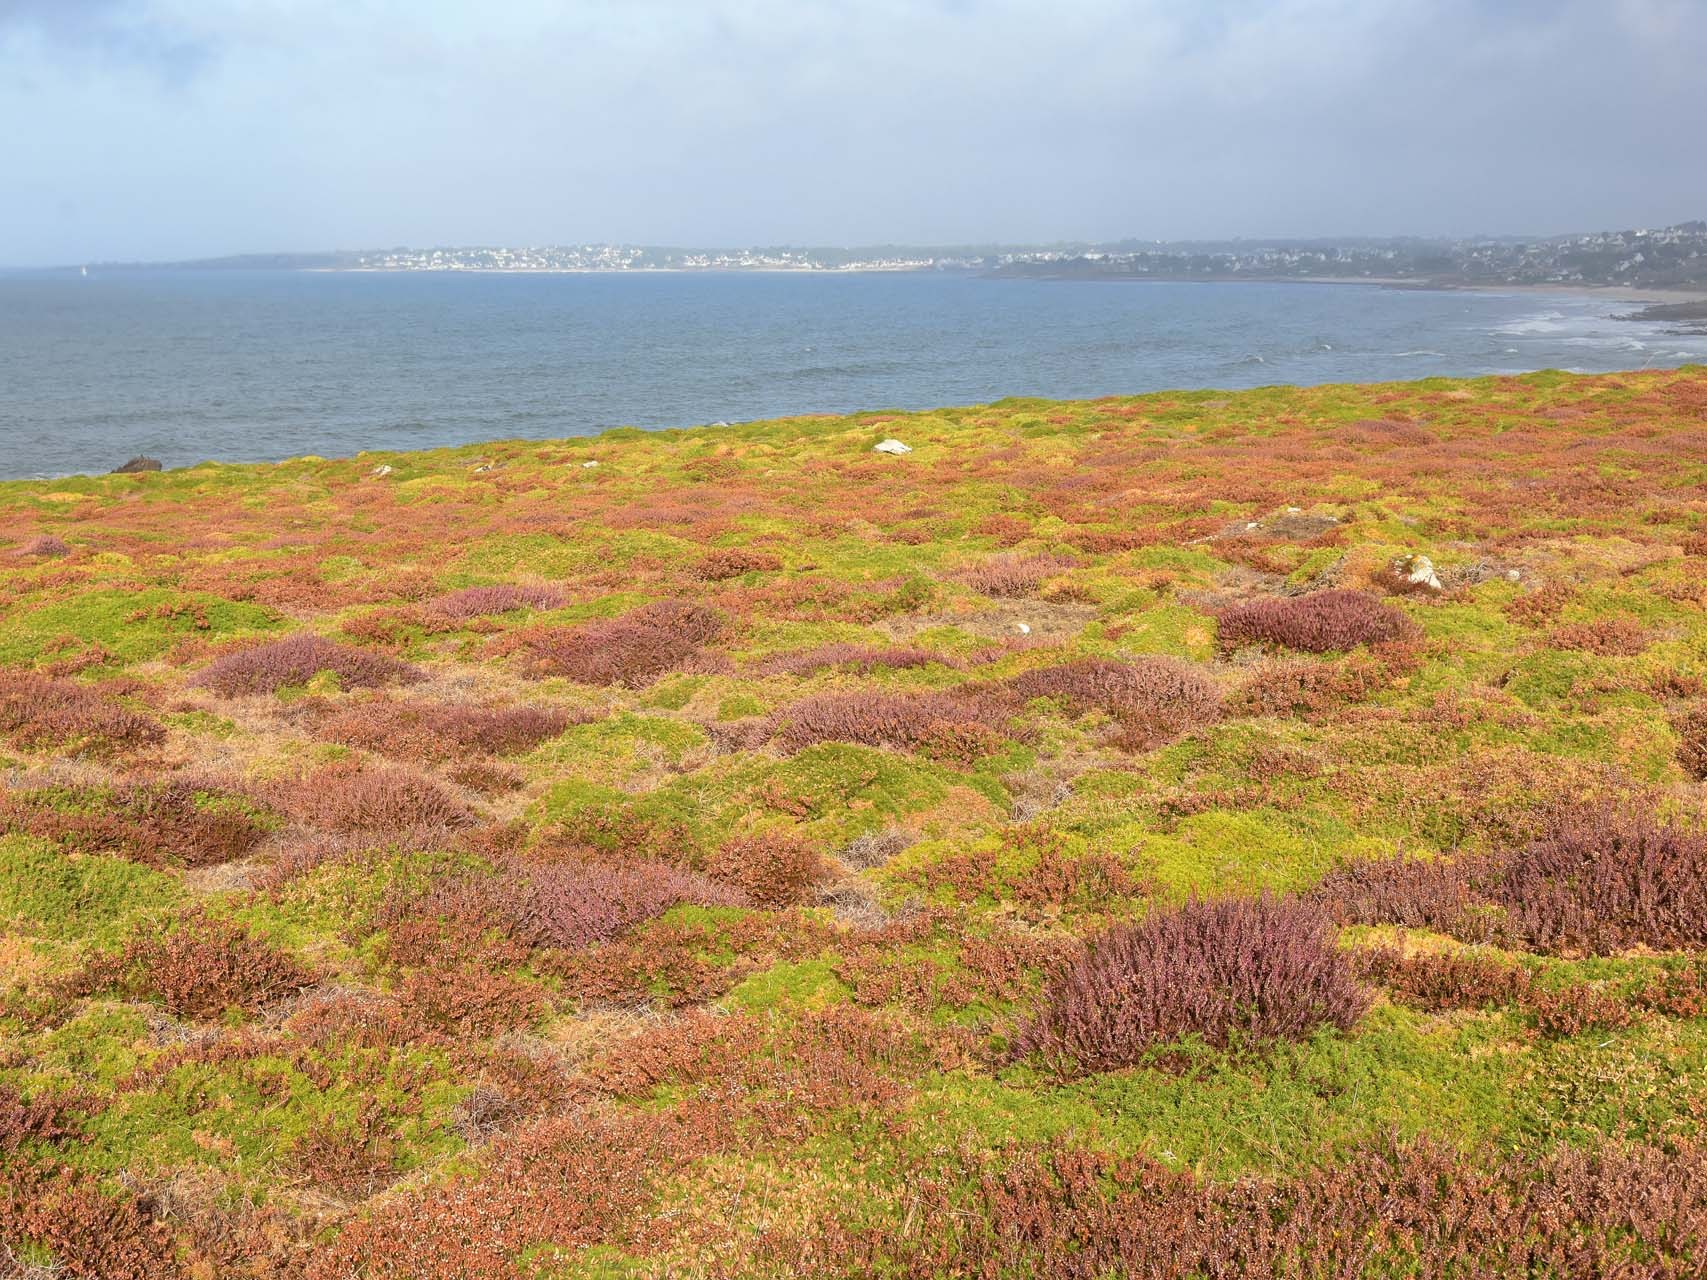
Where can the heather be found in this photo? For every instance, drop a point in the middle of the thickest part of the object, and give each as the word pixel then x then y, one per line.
pixel 1074 848
pixel 1317 623
pixel 269 667
pixel 1231 972
pixel 40 712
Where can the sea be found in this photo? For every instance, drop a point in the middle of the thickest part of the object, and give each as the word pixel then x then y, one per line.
pixel 188 366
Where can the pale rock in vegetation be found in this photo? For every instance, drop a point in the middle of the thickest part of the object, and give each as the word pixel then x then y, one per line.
pixel 1419 572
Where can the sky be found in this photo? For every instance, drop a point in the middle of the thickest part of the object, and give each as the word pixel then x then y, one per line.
pixel 168 129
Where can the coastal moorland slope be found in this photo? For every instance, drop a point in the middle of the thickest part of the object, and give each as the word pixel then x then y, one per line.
pixel 1190 834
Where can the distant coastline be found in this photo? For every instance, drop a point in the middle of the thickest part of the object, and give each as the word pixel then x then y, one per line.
pixel 1668 260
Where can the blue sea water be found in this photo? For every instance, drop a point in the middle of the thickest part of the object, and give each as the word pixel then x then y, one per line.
pixel 188 366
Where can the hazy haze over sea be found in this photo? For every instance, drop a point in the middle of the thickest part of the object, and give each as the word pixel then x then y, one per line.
pixel 265 365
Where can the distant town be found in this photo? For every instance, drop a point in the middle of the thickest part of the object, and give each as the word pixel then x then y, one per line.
pixel 1672 257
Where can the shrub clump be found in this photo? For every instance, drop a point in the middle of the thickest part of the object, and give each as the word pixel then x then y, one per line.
pixel 858 659
pixel 374 801
pixel 1237 971
pixel 437 732
pixel 1436 980
pixel 1311 689
pixel 1011 576
pixel 1420 1208
pixel 1604 637
pixel 1596 882
pixel 182 822
pixel 44 546
pixel 1691 730
pixel 197 967
pixel 298 659
pixel 732 562
pixel 38 711
pixel 1154 699
pixel 1322 622
pixel 903 722
pixel 1442 894
pixel 470 1001
pixel 771 869
pixel 1601 882
pixel 632 651
pixel 567 905
pixel 477 602
pixel 577 904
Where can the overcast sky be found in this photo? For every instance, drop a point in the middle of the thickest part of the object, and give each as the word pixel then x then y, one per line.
pixel 177 128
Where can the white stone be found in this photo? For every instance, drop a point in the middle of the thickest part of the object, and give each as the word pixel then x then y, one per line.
pixel 1422 573
pixel 891 446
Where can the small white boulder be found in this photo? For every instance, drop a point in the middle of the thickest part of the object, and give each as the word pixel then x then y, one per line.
pixel 891 446
pixel 1419 572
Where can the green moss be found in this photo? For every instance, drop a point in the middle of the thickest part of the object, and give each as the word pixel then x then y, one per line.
pixel 809 984
pixel 132 625
pixel 74 896
pixel 1401 1073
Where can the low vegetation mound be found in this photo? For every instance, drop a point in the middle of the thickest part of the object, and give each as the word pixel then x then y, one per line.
pixel 1055 1210
pixel 295 660
pixel 855 659
pixel 1012 576
pixel 44 546
pixel 577 904
pixel 479 602
pixel 1691 729
pixel 1606 637
pixel 38 712
pixel 1154 699
pixel 1322 622
pixel 435 732
pixel 734 562
pixel 197 966
pixel 1238 971
pixel 768 869
pixel 903 722
pixel 389 801
pixel 524 904
pixel 632 651
pixel 185 822
pixel 1597 882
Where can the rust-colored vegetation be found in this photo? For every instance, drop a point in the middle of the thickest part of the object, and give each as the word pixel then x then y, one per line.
pixel 266 668
pixel 1072 849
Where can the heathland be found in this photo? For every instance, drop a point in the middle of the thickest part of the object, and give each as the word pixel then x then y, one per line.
pixel 1195 834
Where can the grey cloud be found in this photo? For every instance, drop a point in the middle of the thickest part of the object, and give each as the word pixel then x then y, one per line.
pixel 125 33
pixel 323 123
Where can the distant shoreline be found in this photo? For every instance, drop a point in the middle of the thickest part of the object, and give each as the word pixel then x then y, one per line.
pixel 1615 292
